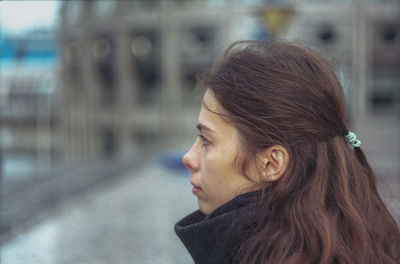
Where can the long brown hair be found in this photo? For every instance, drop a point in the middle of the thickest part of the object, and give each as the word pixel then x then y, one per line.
pixel 326 207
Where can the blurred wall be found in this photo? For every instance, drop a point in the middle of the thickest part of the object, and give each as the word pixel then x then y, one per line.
pixel 127 68
pixel 128 74
pixel 28 74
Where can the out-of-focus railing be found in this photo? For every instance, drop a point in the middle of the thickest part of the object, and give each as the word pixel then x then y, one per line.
pixel 28 201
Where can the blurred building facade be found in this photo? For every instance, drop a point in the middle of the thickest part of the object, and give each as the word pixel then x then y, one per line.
pixel 364 37
pixel 128 71
pixel 128 67
pixel 28 83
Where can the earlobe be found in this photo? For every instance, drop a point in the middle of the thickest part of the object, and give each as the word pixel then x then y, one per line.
pixel 275 161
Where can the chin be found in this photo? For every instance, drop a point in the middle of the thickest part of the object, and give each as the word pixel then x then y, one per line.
pixel 204 208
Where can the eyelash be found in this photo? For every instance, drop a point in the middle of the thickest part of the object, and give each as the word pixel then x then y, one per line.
pixel 204 140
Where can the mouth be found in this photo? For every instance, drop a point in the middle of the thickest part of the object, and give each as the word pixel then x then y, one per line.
pixel 196 189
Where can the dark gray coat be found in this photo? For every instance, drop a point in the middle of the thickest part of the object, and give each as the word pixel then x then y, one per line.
pixel 215 238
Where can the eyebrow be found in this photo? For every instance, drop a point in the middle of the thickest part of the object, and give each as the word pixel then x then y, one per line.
pixel 201 127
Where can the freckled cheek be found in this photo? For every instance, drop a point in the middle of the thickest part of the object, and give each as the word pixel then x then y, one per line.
pixel 207 166
pixel 216 170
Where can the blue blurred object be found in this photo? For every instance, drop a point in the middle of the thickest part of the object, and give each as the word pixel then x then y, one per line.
pixel 261 33
pixel 172 160
pixel 35 47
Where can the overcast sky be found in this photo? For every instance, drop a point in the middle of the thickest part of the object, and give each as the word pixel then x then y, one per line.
pixel 16 17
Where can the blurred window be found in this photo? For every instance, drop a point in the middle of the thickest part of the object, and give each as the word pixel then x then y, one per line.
pixel 108 139
pixel 72 65
pixel 198 51
pixel 103 66
pixel 385 92
pixel 145 63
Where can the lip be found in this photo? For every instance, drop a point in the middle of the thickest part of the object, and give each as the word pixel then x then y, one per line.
pixel 196 189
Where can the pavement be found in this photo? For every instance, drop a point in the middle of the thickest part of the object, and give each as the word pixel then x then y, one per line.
pixel 131 219
pixel 127 221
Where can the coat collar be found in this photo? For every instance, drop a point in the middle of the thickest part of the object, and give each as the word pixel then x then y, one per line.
pixel 216 237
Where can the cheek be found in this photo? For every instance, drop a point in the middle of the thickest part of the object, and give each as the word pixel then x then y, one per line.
pixel 213 161
pixel 218 169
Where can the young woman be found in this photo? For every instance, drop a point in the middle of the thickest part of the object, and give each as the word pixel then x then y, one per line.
pixel 278 176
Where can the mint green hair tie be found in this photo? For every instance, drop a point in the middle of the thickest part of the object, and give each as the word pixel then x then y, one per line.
pixel 352 139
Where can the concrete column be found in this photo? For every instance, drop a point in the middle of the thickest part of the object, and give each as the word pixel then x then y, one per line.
pixel 171 116
pixel 360 63
pixel 125 98
pixel 89 86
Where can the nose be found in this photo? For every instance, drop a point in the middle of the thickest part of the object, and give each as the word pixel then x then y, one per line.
pixel 190 159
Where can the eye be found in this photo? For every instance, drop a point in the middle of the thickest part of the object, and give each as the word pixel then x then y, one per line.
pixel 204 140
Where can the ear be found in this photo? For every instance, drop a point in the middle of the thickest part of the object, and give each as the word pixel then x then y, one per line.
pixel 274 162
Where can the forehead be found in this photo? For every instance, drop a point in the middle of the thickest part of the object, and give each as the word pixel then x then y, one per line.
pixel 209 107
pixel 211 102
pixel 210 113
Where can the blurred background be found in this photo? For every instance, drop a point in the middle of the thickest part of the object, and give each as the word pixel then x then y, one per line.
pixel 98 105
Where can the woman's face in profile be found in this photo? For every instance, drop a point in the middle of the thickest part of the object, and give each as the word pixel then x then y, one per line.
pixel 216 178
